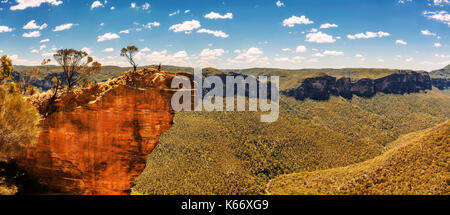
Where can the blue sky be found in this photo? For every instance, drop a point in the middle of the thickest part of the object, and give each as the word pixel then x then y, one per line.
pixel 401 34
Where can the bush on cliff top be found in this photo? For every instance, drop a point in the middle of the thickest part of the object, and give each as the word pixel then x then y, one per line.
pixel 18 121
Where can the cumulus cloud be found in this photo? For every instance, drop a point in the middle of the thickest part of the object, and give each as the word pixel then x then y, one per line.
pixel 250 55
pixel 87 50
pixel 437 45
pixel 328 25
pixel 442 56
pixel 96 4
pixel 32 34
pixel 333 53
pixel 401 42
pixel 146 6
pixel 441 2
pixel 294 20
pixel 404 1
pixel 368 35
pixel 124 32
pixel 187 26
pixel 320 37
pixel 440 16
pixel 301 49
pixel 146 49
pixel 107 36
pixel 279 4
pixel 214 33
pixel 428 33
pixel 4 29
pixel 174 13
pixel 24 4
pixel 214 15
pixel 211 54
pixel 151 24
pixel 32 25
pixel 45 40
pixel 108 50
pixel 63 27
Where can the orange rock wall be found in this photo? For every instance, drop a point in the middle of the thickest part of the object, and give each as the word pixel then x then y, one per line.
pixel 99 148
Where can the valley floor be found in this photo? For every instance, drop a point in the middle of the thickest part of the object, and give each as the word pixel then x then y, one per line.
pixel 233 153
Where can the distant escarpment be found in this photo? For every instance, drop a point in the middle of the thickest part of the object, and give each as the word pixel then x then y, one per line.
pixel 95 140
pixel 322 87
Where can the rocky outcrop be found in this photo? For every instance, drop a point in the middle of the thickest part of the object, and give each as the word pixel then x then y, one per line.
pixel 441 83
pixel 96 139
pixel 322 87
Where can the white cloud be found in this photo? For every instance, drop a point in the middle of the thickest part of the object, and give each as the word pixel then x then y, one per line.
pixel 32 25
pixel 133 5
pixel 124 32
pixel 96 4
pixel 320 37
pixel 283 59
pixel 187 26
pixel 34 51
pixel 333 53
pixel 151 24
pixel 301 49
pixel 441 2
pixel 108 50
pixel 437 45
pixel 404 1
pixel 112 8
pixel 250 55
pixel 107 36
pixel 214 33
pixel 42 47
pixel 401 42
pixel 409 59
pixel 87 50
pixel 211 54
pixel 146 49
pixel 32 34
pixel 380 60
pixel 428 33
pixel 187 11
pixel 174 13
pixel 45 41
pixel 318 55
pixel 440 16
pixel 360 56
pixel 368 35
pixel 146 6
pixel 286 50
pixel 293 20
pixel 328 53
pixel 4 29
pixel 279 4
pixel 63 27
pixel 24 4
pixel 214 15
pixel 328 25
pixel 442 56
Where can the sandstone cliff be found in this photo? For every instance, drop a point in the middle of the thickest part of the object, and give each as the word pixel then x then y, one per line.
pixel 322 87
pixel 96 140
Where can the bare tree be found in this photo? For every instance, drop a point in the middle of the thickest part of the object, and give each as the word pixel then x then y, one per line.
pixel 73 64
pixel 129 53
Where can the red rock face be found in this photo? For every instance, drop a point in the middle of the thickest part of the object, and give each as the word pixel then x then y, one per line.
pixel 100 147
